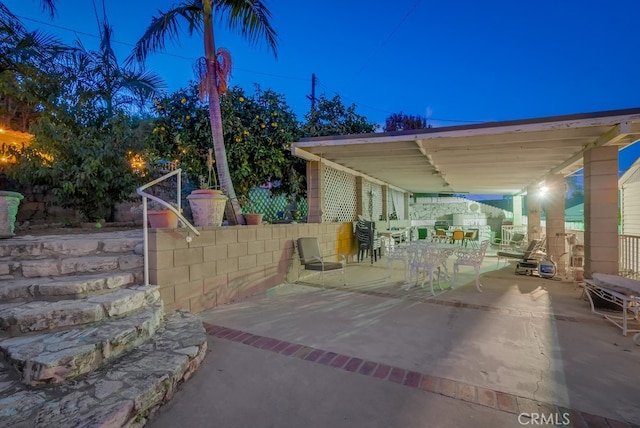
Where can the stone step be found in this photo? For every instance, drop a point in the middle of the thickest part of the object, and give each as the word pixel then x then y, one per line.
pixel 56 246
pixel 65 287
pixel 53 358
pixel 28 317
pixel 122 394
pixel 39 268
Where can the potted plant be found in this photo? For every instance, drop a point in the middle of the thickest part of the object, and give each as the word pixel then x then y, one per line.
pixel 160 217
pixel 251 217
pixel 207 203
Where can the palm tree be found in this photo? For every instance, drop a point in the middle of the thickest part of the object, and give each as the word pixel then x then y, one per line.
pixel 6 16
pixel 251 19
pixel 97 75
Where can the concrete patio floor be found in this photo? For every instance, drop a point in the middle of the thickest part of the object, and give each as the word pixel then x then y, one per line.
pixel 526 350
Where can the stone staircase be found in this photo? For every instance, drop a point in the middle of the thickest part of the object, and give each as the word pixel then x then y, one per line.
pixel 83 342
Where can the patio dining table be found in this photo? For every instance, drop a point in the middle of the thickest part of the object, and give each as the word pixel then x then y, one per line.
pixel 426 256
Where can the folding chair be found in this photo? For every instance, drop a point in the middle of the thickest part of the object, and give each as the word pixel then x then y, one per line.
pixel 311 259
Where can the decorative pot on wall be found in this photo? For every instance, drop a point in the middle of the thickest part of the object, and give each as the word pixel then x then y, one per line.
pixel 9 202
pixel 162 219
pixel 253 219
pixel 207 207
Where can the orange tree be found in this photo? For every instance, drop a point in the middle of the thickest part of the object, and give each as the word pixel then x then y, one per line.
pixel 258 128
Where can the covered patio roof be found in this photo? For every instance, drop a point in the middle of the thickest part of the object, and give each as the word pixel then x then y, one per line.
pixel 488 158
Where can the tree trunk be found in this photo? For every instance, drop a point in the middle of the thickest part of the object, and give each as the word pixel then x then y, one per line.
pixel 232 210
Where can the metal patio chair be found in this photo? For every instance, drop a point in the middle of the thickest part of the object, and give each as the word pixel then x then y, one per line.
pixel 472 258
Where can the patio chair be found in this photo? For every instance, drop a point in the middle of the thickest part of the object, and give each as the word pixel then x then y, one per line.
pixel 472 258
pixel 440 236
pixel 531 253
pixel 311 259
pixel 457 236
pixel 471 237
pixel 368 239
pixel 395 252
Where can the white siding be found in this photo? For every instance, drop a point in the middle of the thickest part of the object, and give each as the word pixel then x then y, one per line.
pixel 630 207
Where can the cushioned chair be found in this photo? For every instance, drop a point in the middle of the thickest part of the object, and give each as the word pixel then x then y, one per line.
pixel 440 236
pixel 368 239
pixel 458 236
pixel 471 238
pixel 533 252
pixel 311 259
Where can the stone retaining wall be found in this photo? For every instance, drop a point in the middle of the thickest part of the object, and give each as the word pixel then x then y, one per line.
pixel 225 264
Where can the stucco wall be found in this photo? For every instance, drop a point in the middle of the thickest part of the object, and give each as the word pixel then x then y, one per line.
pixel 225 264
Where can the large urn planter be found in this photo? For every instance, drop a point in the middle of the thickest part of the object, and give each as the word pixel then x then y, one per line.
pixel 207 207
pixel 9 202
pixel 253 219
pixel 162 219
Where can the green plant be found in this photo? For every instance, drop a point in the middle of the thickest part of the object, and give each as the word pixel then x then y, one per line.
pixel 331 117
pixel 82 157
pixel 248 207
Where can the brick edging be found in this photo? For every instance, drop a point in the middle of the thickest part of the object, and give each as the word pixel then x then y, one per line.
pixel 497 400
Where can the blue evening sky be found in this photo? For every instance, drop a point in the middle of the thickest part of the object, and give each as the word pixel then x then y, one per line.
pixel 456 62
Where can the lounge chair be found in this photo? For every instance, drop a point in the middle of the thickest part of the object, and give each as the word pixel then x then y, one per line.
pixel 516 243
pixel 534 252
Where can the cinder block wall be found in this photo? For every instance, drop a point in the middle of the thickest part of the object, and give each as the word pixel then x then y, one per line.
pixel 225 264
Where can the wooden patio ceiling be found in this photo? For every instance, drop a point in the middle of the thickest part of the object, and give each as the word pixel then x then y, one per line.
pixel 489 158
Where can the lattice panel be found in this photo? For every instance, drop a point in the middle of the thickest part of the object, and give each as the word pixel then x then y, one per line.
pixel 339 196
pixel 372 200
pixel 275 207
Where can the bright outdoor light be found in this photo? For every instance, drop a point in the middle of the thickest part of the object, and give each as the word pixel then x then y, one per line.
pixel 543 192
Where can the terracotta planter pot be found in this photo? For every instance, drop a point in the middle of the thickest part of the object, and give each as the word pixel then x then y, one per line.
pixel 207 207
pixel 9 202
pixel 253 219
pixel 162 219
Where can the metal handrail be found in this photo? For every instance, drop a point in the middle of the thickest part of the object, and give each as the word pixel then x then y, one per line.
pixel 141 191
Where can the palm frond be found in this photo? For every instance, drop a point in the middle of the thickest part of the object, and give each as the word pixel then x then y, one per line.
pixel 250 17
pixel 166 26
pixel 9 21
pixel 49 6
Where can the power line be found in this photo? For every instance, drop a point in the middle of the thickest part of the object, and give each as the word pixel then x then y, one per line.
pixel 95 36
pixel 76 32
pixel 386 39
